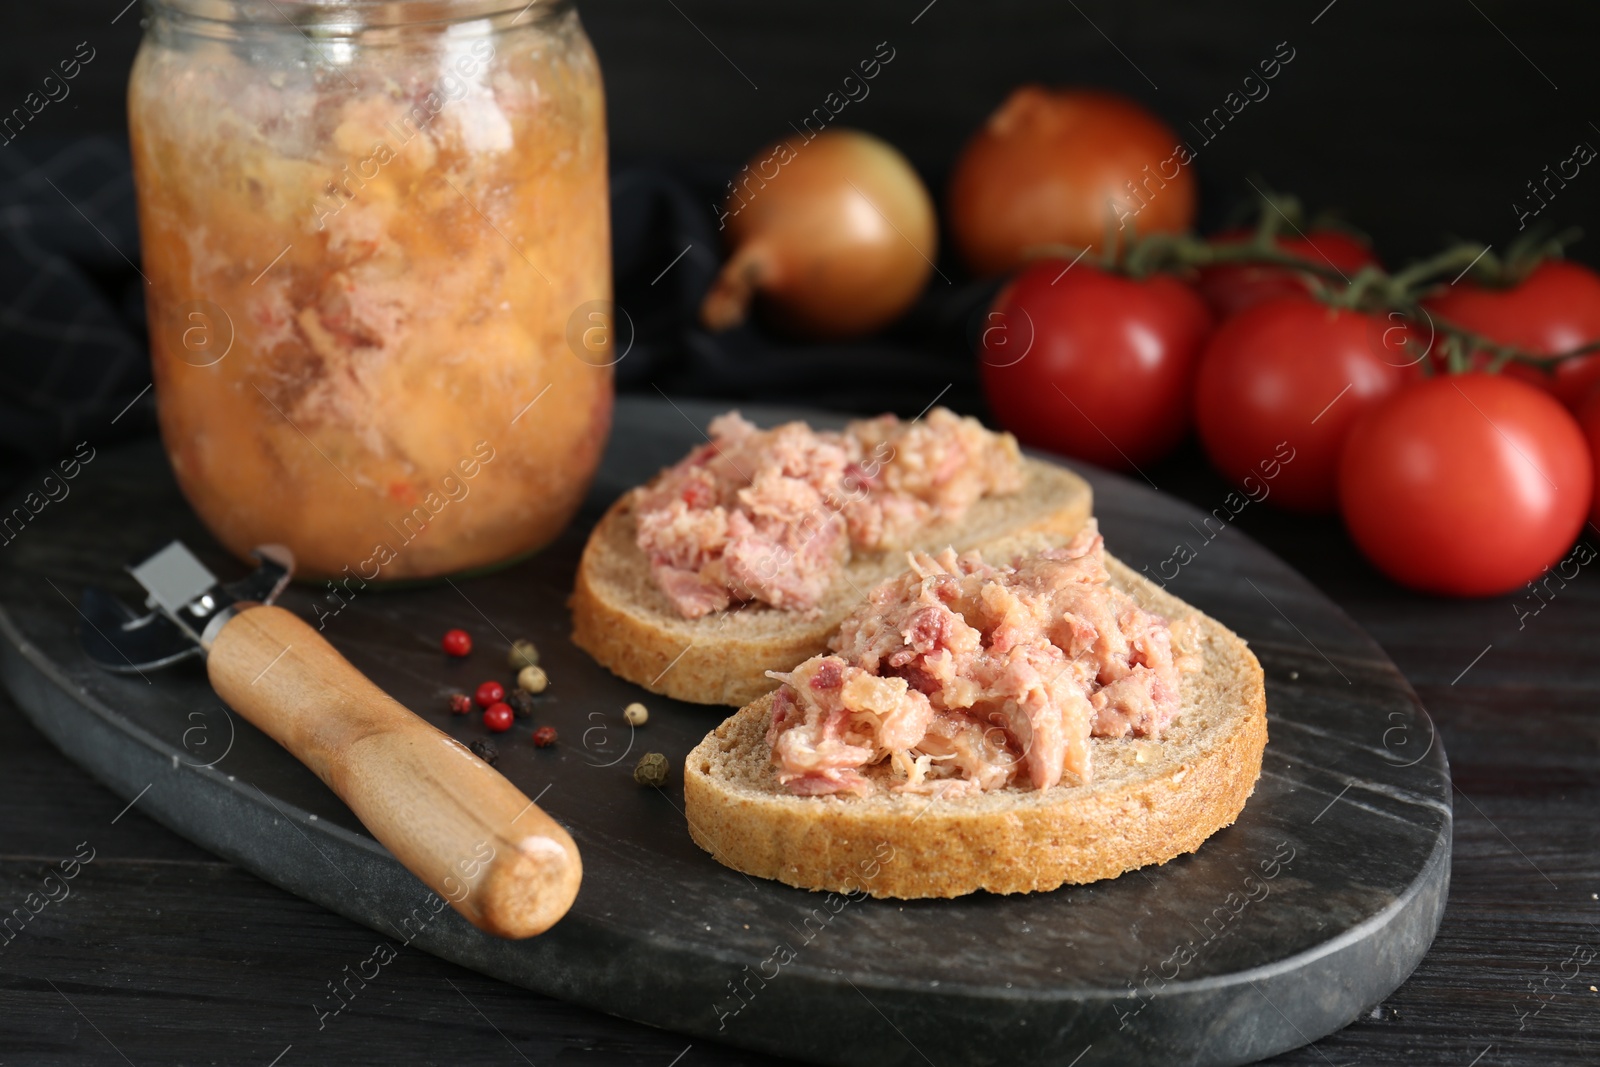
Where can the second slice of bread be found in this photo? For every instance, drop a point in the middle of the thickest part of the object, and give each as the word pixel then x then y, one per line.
pixel 1151 800
pixel 627 624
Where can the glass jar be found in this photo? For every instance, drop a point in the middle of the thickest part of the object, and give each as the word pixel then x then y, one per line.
pixel 367 228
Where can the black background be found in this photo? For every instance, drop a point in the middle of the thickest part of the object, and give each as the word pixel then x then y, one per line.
pixel 1417 120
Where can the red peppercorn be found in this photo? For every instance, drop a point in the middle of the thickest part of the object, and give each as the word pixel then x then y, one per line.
pixel 456 643
pixel 498 717
pixel 460 703
pixel 544 736
pixel 489 693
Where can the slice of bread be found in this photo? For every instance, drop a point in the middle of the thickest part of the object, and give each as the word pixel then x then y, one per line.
pixel 627 624
pixel 1151 800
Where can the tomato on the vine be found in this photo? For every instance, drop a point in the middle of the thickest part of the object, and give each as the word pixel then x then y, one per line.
pixel 1556 308
pixel 1589 420
pixel 1230 288
pixel 1093 364
pixel 1467 485
pixel 1292 371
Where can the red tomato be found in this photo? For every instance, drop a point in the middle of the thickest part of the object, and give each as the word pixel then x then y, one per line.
pixel 1467 485
pixel 1590 421
pixel 1288 378
pixel 1092 364
pixel 1556 308
pixel 1230 288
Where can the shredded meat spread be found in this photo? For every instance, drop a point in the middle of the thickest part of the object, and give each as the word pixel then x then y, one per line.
pixel 774 515
pixel 969 677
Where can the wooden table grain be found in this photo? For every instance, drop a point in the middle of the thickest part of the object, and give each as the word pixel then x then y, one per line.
pixel 157 952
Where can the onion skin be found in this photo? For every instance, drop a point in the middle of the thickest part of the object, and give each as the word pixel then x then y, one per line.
pixel 837 243
pixel 1051 167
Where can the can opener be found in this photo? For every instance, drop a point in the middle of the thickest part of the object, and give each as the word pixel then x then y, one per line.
pixel 427 798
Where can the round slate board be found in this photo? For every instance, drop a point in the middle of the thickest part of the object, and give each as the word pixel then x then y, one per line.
pixel 1317 903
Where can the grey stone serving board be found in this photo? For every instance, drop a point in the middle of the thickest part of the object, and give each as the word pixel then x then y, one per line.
pixel 1316 904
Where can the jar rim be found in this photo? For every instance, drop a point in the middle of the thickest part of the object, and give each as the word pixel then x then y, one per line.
pixel 345 16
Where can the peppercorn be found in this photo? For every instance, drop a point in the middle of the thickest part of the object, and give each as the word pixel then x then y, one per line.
pixel 533 679
pixel 460 703
pixel 497 717
pixel 485 750
pixel 521 702
pixel 544 736
pixel 523 654
pixel 651 769
pixel 636 714
pixel 456 643
pixel 489 693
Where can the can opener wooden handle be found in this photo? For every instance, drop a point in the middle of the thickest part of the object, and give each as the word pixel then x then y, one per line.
pixel 451 819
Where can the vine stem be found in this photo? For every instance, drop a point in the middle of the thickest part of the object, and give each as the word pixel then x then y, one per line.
pixel 1501 354
pixel 1370 290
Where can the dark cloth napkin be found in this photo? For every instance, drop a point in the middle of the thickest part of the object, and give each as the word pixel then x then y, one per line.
pixel 73 359
pixel 75 365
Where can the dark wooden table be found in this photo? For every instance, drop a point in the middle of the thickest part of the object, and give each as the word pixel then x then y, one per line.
pixel 161 953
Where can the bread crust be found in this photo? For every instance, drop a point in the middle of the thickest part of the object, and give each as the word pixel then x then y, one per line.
pixel 629 627
pixel 1137 812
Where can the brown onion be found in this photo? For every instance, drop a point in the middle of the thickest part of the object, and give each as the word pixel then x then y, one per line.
pixel 1055 167
pixel 836 234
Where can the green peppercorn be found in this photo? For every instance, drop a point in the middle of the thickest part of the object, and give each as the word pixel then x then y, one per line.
pixel 523 654
pixel 651 769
